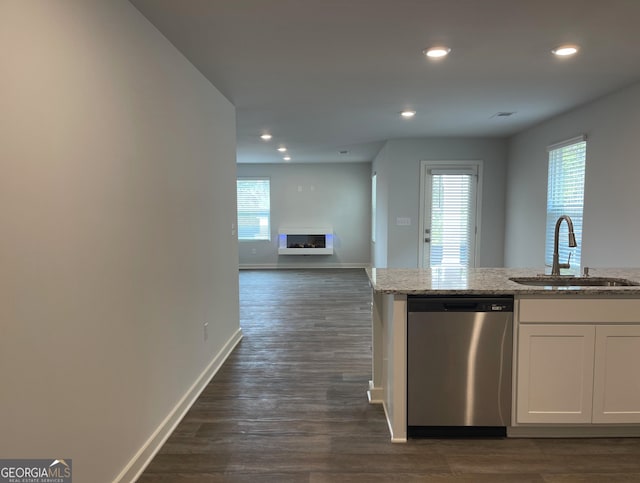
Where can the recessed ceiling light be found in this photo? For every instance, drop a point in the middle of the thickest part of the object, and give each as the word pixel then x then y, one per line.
pixel 282 149
pixel 266 137
pixel 436 52
pixel 287 158
pixel 565 50
pixel 408 114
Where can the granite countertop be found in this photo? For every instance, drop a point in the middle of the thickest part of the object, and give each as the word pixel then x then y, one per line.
pixel 452 281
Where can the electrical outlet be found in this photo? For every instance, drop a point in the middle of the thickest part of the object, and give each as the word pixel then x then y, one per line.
pixel 253 251
pixel 206 330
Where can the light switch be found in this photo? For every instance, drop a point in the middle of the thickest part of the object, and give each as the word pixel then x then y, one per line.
pixel 403 221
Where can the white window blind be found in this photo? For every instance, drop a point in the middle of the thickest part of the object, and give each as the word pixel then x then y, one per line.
pixel 452 217
pixel 254 207
pixel 565 196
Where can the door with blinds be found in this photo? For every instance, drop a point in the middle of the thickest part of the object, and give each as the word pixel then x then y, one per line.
pixel 449 219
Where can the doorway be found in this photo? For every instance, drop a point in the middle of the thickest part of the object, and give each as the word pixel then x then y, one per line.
pixel 449 213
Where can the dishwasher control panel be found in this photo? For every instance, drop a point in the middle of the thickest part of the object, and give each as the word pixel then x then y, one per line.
pixel 501 307
pixel 459 304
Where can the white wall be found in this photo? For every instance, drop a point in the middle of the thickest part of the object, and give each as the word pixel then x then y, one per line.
pixel 337 195
pixel 610 231
pixel 398 168
pixel 380 249
pixel 117 198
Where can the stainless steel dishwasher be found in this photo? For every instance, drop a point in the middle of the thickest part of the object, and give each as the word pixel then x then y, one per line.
pixel 459 353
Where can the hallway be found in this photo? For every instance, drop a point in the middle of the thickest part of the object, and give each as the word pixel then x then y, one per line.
pixel 290 405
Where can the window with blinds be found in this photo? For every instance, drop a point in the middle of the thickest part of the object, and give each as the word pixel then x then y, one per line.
pixel 565 196
pixel 254 208
pixel 452 217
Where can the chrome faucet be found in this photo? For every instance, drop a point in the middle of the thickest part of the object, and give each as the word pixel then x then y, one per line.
pixel 555 268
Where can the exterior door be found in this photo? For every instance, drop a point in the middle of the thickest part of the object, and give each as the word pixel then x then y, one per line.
pixel 449 218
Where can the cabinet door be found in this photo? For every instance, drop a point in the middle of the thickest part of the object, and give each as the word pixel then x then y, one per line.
pixel 555 373
pixel 616 390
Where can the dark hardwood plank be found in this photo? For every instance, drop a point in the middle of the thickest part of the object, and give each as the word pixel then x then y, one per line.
pixel 289 405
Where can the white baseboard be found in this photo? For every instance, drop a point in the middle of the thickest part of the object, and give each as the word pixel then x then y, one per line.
pixel 145 454
pixel 375 394
pixel 394 438
pixel 272 266
pixel 568 431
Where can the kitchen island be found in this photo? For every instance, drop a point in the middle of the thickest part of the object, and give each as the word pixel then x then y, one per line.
pixel 576 349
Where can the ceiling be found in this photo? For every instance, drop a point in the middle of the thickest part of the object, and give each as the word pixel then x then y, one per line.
pixel 324 76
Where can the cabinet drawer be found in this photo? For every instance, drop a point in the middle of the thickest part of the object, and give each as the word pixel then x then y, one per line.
pixel 579 310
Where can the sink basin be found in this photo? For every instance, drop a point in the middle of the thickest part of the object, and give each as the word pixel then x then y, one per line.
pixel 568 281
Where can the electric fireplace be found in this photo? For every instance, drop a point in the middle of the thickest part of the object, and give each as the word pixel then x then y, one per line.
pixel 305 241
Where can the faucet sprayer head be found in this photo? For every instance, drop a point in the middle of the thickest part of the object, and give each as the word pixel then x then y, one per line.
pixel 572 240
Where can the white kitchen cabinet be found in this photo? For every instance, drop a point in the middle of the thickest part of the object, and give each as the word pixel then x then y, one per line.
pixel 616 389
pixel 578 361
pixel 555 373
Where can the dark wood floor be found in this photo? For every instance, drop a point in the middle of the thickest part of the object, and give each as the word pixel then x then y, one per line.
pixel 290 405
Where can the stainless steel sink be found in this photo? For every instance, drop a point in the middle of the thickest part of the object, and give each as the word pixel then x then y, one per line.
pixel 568 281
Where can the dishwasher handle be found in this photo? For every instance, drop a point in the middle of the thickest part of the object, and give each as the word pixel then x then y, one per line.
pixel 460 306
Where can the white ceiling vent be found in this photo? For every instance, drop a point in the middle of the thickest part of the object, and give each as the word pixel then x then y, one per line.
pixel 503 114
